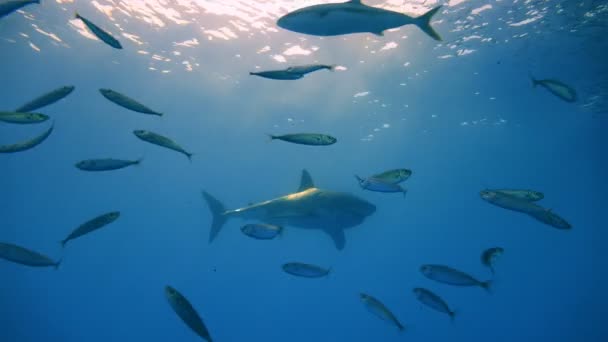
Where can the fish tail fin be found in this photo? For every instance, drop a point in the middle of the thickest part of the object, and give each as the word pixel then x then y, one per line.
pixel 281 232
pixel 400 326
pixel 487 285
pixel 189 155
pixel 138 161
pixel 359 179
pixel 332 67
pixel 271 137
pixel 76 15
pixel 217 212
pixel 57 264
pixel 533 80
pixel 404 193
pixel 452 315
pixel 424 23
pixel 63 242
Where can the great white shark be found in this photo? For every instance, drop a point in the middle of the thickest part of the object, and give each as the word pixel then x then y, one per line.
pixel 309 207
pixel 352 17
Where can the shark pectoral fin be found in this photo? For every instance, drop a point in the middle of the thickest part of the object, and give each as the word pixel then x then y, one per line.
pixel 337 235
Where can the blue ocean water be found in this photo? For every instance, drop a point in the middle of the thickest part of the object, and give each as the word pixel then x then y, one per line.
pixel 461 114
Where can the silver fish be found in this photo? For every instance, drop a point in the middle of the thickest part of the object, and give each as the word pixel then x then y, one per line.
pixel 26 145
pixel 46 99
pixel 380 310
pixel 23 256
pixel 374 184
pixel 450 276
pixel 557 88
pixel 92 225
pixel 489 256
pixel 547 216
pixel 433 301
pixel 159 140
pixel 262 231
pixel 187 313
pixel 8 7
pixel 394 176
pixel 100 33
pixel 293 72
pixel 305 270
pixel 313 139
pixel 352 17
pixel 127 102
pixel 106 164
pixel 525 194
pixel 23 118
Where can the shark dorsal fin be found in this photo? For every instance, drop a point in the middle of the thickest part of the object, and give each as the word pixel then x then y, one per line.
pixel 356 2
pixel 306 181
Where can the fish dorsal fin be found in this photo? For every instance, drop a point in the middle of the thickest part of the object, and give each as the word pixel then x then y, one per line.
pixel 306 181
pixel 355 2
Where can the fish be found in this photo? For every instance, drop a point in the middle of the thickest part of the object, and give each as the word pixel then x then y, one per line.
pixel 92 225
pixel 127 102
pixel 450 276
pixel 351 17
pixel 24 256
pixel 374 184
pixel 313 139
pixel 187 313
pixel 23 118
pixel 293 72
pixel 299 269
pixel 8 7
pixel 309 208
pixel 262 231
pixel 557 88
pixel 106 164
pixel 157 139
pixel 100 33
pixel 26 145
pixel 394 176
pixel 489 256
pixel 433 301
pixel 533 210
pixel 525 194
pixel 46 99
pixel 377 308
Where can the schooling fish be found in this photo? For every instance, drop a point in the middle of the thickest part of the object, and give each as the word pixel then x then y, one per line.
pixel 187 313
pixel 490 255
pixel 378 185
pixel 277 75
pixel 450 276
pixel 557 88
pixel 305 270
pixel 26 145
pixel 99 33
pixel 159 140
pixel 380 310
pixel 314 139
pixel 394 176
pixel 547 216
pixel 8 7
pixel 127 102
pixel 433 301
pixel 23 118
pixel 262 231
pixel 525 194
pixel 106 164
pixel 352 17
pixel 46 99
pixel 23 256
pixel 92 225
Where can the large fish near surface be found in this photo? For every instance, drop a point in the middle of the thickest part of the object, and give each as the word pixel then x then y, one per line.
pixel 292 73
pixel 100 33
pixel 26 145
pixel 557 88
pixel 127 102
pixel 534 210
pixel 8 7
pixel 352 17
pixel 310 208
pixel 24 256
pixel 46 99
pixel 312 139
pixel 187 313
pixel 23 118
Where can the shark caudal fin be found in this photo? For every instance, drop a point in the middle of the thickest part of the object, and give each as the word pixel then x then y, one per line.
pixel 217 211
pixel 306 181
pixel 424 23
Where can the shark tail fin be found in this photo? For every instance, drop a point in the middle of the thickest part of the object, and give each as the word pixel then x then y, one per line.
pixel 424 23
pixel 217 211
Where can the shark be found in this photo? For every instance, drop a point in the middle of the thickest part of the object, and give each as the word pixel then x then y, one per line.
pixel 353 16
pixel 309 207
